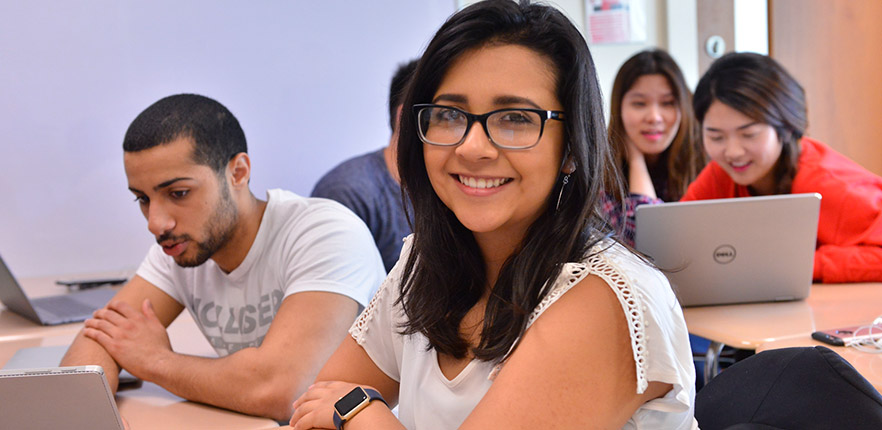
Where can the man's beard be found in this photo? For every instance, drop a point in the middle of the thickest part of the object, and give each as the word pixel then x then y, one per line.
pixel 218 232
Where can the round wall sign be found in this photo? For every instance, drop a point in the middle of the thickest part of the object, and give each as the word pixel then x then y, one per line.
pixel 715 46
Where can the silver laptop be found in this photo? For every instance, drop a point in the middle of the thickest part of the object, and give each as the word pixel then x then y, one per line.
pixel 742 250
pixel 76 398
pixel 50 356
pixel 60 309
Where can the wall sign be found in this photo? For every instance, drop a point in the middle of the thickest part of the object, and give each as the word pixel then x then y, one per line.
pixel 615 21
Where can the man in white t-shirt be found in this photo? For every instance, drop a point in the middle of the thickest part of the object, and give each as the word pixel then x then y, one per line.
pixel 273 285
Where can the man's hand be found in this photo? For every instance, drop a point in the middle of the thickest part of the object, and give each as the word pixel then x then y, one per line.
pixel 136 340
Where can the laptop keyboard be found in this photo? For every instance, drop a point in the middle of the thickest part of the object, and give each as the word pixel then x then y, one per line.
pixel 63 306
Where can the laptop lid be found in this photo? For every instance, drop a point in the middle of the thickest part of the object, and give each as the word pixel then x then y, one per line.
pixel 51 310
pixel 741 250
pixel 74 398
pixel 13 296
pixel 50 356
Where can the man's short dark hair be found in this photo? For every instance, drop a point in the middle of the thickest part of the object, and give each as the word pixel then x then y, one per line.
pixel 215 132
pixel 397 89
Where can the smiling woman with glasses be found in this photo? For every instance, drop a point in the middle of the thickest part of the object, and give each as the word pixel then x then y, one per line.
pixel 510 307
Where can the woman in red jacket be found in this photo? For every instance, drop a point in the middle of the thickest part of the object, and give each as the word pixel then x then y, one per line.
pixel 753 116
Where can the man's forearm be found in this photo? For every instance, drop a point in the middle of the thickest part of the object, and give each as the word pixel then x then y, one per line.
pixel 240 382
pixel 84 351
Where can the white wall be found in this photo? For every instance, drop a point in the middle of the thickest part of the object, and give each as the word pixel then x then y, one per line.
pixel 682 31
pixel 752 26
pixel 670 25
pixel 609 57
pixel 308 81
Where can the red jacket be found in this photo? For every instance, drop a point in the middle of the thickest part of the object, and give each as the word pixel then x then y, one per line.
pixel 850 224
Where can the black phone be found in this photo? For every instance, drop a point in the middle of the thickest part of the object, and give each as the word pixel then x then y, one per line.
pixel 843 336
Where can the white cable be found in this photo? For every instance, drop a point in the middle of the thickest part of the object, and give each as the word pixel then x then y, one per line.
pixel 871 342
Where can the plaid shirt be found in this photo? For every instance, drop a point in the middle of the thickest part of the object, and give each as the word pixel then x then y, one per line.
pixel 621 216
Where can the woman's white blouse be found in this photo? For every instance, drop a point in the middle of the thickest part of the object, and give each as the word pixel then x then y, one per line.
pixel 660 343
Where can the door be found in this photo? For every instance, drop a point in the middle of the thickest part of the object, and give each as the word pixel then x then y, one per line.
pixel 834 49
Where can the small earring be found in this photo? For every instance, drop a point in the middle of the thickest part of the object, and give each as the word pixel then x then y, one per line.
pixel 566 179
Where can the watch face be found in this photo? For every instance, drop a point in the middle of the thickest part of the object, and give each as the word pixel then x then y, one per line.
pixel 348 402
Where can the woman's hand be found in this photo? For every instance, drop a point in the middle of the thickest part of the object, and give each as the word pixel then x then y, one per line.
pixel 633 154
pixel 315 408
pixel 639 181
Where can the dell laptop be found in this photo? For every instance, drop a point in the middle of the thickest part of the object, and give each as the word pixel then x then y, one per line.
pixel 740 250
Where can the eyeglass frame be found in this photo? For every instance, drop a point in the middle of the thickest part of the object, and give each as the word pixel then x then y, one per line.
pixel 544 115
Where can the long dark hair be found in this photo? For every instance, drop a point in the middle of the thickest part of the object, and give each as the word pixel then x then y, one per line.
pixel 444 276
pixel 761 89
pixel 684 157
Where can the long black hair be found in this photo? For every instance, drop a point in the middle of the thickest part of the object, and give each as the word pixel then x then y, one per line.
pixel 444 275
pixel 761 89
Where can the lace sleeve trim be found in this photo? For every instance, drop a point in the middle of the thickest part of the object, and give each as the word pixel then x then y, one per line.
pixel 359 328
pixel 607 269
pixel 604 267
pixel 393 280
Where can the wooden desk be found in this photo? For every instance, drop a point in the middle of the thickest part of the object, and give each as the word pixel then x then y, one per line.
pixel 750 326
pixel 148 407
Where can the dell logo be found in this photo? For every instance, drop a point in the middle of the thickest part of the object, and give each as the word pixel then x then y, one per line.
pixel 724 254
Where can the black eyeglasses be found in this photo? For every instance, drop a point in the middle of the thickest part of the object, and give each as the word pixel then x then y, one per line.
pixel 506 128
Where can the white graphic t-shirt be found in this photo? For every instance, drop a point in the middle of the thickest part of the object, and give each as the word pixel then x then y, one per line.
pixel 302 244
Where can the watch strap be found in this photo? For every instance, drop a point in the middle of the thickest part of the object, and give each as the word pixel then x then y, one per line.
pixel 375 395
pixel 338 422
